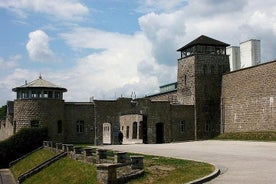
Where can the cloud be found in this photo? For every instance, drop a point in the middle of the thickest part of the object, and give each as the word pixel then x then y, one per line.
pixel 60 9
pixel 38 47
pixel 146 6
pixel 10 63
pixel 124 64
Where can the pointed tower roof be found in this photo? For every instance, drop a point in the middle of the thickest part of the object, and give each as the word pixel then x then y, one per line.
pixel 40 83
pixel 204 40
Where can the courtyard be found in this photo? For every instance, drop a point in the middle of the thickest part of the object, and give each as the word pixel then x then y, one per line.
pixel 239 161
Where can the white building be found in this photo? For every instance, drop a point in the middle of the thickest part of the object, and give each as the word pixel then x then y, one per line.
pixel 234 57
pixel 246 55
pixel 250 53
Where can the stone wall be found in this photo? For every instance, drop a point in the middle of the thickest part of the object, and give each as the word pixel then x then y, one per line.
pixel 79 114
pixel 6 128
pixel 168 96
pixel 249 99
pixel 182 123
pixel 46 112
pixel 164 113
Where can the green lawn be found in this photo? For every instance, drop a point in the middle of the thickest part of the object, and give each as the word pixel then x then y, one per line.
pixel 162 170
pixel 31 161
pixel 67 171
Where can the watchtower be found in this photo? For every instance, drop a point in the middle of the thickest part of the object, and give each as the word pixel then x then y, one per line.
pixel 40 103
pixel 200 68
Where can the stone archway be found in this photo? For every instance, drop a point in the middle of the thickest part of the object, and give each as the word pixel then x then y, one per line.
pixel 130 127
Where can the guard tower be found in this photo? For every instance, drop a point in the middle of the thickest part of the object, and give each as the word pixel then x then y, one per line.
pixel 40 103
pixel 201 65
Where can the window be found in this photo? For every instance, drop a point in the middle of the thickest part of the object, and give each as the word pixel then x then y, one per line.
pixel 34 123
pixel 127 132
pixel 134 130
pixel 50 94
pixel 80 126
pixel 57 95
pixel 185 79
pixel 182 126
pixel 59 127
pixel 207 126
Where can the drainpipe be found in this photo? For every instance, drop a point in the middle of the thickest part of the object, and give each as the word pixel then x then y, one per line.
pixel 95 125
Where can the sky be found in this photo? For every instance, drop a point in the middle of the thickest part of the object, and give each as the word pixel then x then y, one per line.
pixel 109 48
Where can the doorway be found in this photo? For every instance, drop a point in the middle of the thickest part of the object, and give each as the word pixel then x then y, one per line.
pixel 106 133
pixel 159 133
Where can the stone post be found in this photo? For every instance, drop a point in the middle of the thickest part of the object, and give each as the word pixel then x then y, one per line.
pixel 45 144
pixel 77 153
pixel 70 147
pixel 59 146
pixel 88 152
pixel 106 174
pixel 50 144
pixel 120 157
pixel 102 153
pixel 137 162
pixel 64 147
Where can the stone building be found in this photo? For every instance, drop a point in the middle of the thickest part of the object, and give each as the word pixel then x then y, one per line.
pixel 206 100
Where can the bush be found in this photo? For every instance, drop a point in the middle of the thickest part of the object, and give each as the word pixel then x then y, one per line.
pixel 24 141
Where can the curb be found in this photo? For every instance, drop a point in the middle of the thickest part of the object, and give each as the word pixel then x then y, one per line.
pixel 206 178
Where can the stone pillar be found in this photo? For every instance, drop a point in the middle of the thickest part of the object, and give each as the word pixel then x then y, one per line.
pixel 64 147
pixel 59 146
pixel 106 174
pixel 137 162
pixel 77 150
pixel 50 144
pixel 120 157
pixel 102 153
pixel 88 152
pixel 45 144
pixel 77 153
pixel 70 147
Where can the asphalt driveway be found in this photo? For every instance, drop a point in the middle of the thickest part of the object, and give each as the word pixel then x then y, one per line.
pixel 240 161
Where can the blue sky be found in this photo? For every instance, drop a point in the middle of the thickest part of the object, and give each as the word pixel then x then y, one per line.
pixel 109 48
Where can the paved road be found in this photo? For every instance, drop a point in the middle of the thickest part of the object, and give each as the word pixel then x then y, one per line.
pixel 240 161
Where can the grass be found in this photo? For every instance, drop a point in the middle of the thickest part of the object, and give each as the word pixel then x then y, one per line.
pixel 31 161
pixel 157 170
pixel 67 171
pixel 254 136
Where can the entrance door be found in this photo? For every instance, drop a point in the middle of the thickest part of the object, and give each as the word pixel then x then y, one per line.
pixel 106 133
pixel 159 132
pixel 145 129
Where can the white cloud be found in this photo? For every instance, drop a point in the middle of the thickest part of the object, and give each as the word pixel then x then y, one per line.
pixel 60 9
pixel 146 6
pixel 10 63
pixel 125 64
pixel 38 46
pixel 143 61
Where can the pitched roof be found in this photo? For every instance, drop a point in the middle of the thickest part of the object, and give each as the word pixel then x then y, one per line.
pixel 204 40
pixel 40 83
